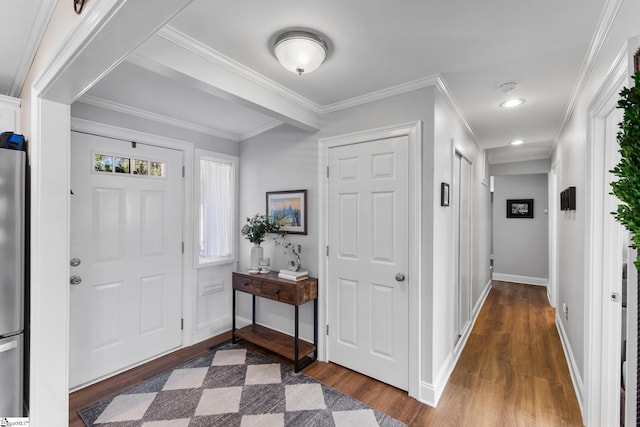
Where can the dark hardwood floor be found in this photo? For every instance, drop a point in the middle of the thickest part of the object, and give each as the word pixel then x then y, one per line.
pixel 512 372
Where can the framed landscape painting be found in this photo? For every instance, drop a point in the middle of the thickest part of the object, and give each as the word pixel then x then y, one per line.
pixel 289 209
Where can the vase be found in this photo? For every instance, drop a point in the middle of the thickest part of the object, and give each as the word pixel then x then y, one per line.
pixel 294 263
pixel 257 252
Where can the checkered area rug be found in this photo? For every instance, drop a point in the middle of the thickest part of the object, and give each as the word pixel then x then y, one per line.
pixel 232 386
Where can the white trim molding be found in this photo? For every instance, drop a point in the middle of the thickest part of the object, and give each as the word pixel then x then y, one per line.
pixel 604 26
pixel 574 369
pixel 526 280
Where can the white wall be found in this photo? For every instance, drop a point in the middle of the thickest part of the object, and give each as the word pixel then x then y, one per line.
pixel 571 157
pixel 521 168
pixel 450 134
pixel 84 111
pixel 287 158
pixel 521 245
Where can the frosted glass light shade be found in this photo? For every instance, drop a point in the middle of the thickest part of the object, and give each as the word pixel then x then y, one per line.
pixel 300 52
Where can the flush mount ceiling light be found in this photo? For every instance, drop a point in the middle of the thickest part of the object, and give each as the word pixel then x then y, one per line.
pixel 300 52
pixel 511 103
pixel 517 142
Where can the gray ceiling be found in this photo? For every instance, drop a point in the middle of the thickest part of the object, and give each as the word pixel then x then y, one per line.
pixel 474 45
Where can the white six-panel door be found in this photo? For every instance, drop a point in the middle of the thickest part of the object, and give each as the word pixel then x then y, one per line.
pixel 368 257
pixel 126 233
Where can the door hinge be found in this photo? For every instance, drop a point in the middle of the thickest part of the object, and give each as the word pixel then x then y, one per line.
pixel 181 324
pixel 182 247
pixel 133 144
pixel 327 329
pixel 327 250
pixel 327 171
pixel 183 171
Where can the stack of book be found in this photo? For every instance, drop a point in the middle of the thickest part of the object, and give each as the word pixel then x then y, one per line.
pixel 296 276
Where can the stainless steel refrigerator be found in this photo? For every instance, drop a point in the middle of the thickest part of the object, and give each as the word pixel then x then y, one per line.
pixel 12 272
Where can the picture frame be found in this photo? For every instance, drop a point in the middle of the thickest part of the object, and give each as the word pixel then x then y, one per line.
pixel 289 209
pixel 519 208
pixel 444 194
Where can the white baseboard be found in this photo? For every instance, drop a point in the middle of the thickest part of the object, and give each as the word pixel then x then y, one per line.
pixel 526 280
pixel 427 394
pixel 430 394
pixel 576 379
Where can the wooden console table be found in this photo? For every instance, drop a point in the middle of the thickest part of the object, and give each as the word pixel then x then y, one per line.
pixel 270 286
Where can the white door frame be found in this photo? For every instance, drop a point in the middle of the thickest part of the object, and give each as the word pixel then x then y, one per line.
pixel 413 131
pixel 463 330
pixel 552 290
pixel 70 72
pixel 600 400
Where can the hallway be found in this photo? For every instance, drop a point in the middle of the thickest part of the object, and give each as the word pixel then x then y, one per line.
pixel 512 372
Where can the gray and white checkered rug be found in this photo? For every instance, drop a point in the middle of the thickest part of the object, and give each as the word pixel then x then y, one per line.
pixel 232 386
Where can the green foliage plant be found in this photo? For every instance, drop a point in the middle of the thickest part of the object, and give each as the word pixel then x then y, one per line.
pixel 627 187
pixel 257 227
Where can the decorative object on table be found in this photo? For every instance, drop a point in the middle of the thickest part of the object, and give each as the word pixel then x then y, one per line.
pixel 289 249
pixel 232 386
pixel 444 194
pixel 264 265
pixel 255 231
pixel 568 199
pixel 520 208
pixel 289 210
pixel 296 276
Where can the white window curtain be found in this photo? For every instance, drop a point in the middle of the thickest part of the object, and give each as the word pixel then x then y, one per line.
pixel 217 201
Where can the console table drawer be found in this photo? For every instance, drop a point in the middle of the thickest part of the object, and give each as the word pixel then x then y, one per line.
pixel 279 292
pixel 246 284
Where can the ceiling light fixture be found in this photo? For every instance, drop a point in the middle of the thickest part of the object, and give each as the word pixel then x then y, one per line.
pixel 517 142
pixel 511 103
pixel 300 52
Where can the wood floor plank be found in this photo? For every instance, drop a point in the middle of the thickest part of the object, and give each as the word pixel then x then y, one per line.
pixel 512 372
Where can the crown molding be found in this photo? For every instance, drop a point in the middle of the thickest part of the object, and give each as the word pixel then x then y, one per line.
pixel 158 118
pixel 180 39
pixel 257 131
pixel 602 31
pixel 448 96
pixel 380 94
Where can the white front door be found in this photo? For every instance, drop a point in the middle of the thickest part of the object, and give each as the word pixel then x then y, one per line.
pixel 126 239
pixel 368 248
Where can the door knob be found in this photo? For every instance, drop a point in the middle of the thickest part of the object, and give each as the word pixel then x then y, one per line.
pixel 74 262
pixel 400 277
pixel 75 280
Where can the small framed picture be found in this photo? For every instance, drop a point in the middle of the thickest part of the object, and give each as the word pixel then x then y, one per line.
pixel 520 208
pixel 289 209
pixel 444 194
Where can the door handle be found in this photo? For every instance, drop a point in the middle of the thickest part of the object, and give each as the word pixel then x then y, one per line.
pixel 74 262
pixel 400 277
pixel 75 280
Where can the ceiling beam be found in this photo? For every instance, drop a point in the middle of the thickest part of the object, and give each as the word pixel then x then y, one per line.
pixel 108 32
pixel 176 56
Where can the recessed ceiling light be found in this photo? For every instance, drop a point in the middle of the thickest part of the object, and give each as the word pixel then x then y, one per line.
pixel 512 103
pixel 517 142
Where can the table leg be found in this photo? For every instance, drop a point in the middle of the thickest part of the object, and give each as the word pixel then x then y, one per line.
pixel 295 344
pixel 233 317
